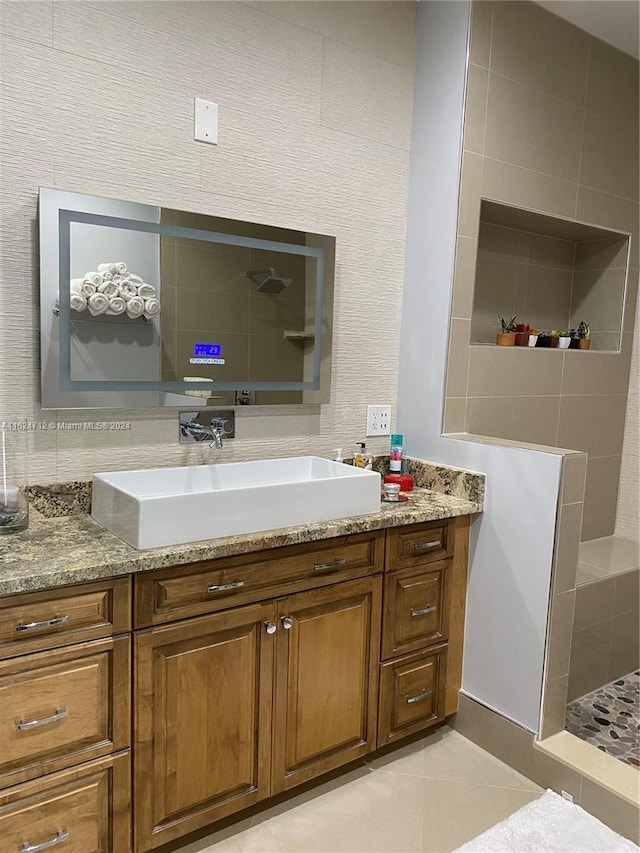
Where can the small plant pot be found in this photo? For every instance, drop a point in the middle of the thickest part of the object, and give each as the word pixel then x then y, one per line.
pixel 564 341
pixel 522 339
pixel 554 342
pixel 543 341
pixel 575 342
pixel 584 343
pixel 506 339
pixel 533 341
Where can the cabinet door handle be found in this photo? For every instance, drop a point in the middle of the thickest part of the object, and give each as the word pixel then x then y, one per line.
pixel 25 725
pixel 61 837
pixel 419 697
pixel 47 623
pixel 426 546
pixel 223 587
pixel 422 611
pixel 287 622
pixel 332 564
pixel 270 627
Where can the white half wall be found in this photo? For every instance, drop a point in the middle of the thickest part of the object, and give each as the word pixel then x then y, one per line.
pixel 512 542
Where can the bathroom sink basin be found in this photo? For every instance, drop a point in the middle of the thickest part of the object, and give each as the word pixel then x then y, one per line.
pixel 170 506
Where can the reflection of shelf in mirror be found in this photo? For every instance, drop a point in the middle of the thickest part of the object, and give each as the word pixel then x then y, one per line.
pixel 298 335
pixel 87 317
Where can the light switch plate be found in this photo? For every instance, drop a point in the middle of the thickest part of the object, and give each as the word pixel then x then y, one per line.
pixel 205 122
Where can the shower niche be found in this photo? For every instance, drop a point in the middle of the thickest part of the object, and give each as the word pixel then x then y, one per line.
pixel 550 272
pixel 240 312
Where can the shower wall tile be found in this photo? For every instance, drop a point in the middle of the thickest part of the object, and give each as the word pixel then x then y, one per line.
pixel 598 526
pixel 592 423
pixel 609 160
pixel 594 603
pixel 528 128
pixel 475 119
pixel 529 374
pixel 544 52
pixel 595 373
pixel 625 645
pixel 574 471
pixel 610 211
pixel 454 414
pixel 627 594
pixel 612 71
pixel 601 254
pixel 464 277
pixel 530 419
pixel 480 35
pixel 522 187
pixel 603 474
pixel 589 659
pixel 559 634
pixel 567 542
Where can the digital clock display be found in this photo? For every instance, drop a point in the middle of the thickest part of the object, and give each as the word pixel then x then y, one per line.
pixel 207 350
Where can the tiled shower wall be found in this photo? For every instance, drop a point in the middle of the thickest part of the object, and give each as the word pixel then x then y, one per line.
pixel 315 121
pixel 551 125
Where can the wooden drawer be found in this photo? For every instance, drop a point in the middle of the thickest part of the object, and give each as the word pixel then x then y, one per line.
pixel 169 594
pixel 61 707
pixel 412 694
pixel 89 804
pixel 50 618
pixel 414 544
pixel 416 608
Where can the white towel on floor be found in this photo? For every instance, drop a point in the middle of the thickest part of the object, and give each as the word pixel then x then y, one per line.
pixel 117 305
pixel 77 301
pixel 151 307
pixel 146 291
pixel 135 307
pixel 94 278
pixel 97 304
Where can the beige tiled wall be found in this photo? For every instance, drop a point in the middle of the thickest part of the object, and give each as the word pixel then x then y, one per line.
pixel 544 103
pixel 315 122
pixel 606 632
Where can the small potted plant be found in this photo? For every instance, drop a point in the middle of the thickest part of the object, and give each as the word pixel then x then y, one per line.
pixel 554 338
pixel 533 337
pixel 506 337
pixel 564 338
pixel 583 333
pixel 522 334
pixel 543 339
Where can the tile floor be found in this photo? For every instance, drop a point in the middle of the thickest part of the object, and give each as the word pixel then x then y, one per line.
pixel 431 795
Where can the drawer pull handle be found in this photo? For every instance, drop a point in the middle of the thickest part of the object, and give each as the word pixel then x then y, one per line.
pixel 223 587
pixel 287 622
pixel 332 564
pixel 47 623
pixel 61 837
pixel 426 546
pixel 422 611
pixel 270 627
pixel 25 725
pixel 419 697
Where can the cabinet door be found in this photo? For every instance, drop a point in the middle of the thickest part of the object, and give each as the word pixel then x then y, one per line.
pixel 202 721
pixel 326 680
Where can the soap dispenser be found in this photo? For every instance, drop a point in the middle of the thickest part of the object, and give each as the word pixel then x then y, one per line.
pixel 362 458
pixel 339 456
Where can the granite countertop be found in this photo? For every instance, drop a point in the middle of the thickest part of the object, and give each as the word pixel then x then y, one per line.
pixel 74 548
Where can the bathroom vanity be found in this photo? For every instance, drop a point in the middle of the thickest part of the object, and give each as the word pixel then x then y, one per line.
pixel 139 707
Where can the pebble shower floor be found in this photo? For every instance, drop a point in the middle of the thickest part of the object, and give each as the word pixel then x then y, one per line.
pixel 609 718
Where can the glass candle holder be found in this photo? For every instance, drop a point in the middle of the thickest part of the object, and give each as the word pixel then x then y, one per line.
pixel 14 504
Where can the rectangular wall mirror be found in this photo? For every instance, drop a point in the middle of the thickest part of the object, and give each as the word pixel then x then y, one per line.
pixel 144 306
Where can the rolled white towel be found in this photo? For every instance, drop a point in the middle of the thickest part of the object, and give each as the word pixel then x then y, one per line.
pixel 108 288
pixel 135 279
pixel 135 307
pixel 151 307
pixel 75 285
pixel 108 267
pixel 77 301
pixel 97 304
pixel 107 276
pixel 87 288
pixel 146 291
pixel 127 290
pixel 117 305
pixel 94 277
pixel 120 268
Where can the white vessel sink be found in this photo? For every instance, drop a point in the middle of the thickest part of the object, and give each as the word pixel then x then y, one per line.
pixel 170 506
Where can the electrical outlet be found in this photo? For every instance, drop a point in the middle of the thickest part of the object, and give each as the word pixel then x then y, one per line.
pixel 378 420
pixel 567 796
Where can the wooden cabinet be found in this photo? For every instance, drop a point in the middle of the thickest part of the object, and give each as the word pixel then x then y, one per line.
pixel 235 706
pixel 65 719
pixel 326 680
pixel 423 624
